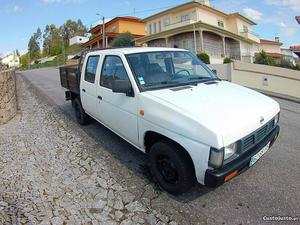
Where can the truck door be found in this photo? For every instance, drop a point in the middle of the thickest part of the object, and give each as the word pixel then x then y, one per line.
pixel 116 110
pixel 88 87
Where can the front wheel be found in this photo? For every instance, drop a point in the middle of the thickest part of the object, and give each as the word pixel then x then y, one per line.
pixel 172 167
pixel 81 116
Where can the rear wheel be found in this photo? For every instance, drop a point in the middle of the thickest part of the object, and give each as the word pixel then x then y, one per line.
pixel 172 167
pixel 81 116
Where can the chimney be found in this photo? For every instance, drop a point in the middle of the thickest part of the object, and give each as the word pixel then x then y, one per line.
pixel 204 2
pixel 277 39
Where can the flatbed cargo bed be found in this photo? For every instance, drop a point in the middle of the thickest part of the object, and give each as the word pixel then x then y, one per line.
pixel 69 78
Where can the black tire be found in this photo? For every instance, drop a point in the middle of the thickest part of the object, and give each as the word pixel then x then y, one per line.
pixel 81 116
pixel 172 167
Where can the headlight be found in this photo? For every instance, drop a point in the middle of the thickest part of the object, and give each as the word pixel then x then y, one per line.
pixel 230 150
pixel 276 118
pixel 218 156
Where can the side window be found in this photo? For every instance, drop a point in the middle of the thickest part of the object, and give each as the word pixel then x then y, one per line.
pixel 91 68
pixel 113 69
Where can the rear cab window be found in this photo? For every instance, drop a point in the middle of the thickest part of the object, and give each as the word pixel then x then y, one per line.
pixel 91 68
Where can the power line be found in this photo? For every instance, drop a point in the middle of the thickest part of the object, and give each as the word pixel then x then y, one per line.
pixel 134 12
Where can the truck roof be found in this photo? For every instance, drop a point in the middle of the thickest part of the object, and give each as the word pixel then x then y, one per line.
pixel 133 50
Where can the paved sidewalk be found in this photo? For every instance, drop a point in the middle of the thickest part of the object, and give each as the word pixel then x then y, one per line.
pixel 48 176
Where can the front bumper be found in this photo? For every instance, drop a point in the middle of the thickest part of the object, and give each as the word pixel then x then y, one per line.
pixel 216 177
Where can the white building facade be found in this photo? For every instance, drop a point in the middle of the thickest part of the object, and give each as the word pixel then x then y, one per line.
pixel 11 60
pixel 200 28
pixel 78 40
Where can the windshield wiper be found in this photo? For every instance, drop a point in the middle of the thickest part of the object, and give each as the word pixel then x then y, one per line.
pixel 161 83
pixel 200 78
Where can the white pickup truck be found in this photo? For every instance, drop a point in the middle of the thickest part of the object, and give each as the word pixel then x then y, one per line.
pixel 170 105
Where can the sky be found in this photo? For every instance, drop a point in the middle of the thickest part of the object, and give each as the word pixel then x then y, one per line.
pixel 19 19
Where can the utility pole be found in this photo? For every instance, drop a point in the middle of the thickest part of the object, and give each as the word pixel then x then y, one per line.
pixel 103 32
pixel 14 59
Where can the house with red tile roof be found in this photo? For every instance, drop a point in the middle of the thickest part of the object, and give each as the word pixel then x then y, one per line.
pixel 113 28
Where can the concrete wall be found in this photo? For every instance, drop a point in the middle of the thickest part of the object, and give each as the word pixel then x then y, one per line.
pixel 269 79
pixel 223 70
pixel 8 98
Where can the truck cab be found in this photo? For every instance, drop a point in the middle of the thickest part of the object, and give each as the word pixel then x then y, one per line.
pixel 170 105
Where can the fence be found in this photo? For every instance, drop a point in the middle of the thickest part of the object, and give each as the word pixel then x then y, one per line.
pixel 271 80
pixel 8 98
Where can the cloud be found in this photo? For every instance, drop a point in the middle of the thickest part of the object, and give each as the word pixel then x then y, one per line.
pixel 252 13
pixel 289 32
pixel 16 8
pixel 282 24
pixel 9 9
pixel 293 4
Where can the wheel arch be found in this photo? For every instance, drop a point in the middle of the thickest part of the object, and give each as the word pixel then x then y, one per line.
pixel 151 137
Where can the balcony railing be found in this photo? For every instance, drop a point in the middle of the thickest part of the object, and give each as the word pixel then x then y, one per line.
pixel 250 35
pixel 179 24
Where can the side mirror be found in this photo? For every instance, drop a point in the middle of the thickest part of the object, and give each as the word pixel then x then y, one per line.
pixel 122 86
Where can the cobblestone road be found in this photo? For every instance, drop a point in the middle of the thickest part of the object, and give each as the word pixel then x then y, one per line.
pixel 49 177
pixel 38 146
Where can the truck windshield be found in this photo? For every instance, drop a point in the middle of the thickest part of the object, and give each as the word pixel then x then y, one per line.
pixel 156 70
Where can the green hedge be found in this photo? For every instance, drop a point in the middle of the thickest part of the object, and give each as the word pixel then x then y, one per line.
pixel 204 58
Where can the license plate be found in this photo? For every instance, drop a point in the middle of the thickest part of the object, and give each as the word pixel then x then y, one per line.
pixel 256 157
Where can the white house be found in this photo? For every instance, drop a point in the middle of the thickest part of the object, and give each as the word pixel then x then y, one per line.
pixel 288 54
pixel 198 27
pixel 78 40
pixel 11 60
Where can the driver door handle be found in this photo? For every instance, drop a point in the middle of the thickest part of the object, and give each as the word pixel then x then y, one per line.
pixel 83 90
pixel 99 97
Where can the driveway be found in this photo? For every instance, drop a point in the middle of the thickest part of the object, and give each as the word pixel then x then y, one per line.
pixel 270 188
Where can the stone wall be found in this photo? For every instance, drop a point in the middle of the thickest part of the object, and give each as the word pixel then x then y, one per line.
pixel 8 98
pixel 2 67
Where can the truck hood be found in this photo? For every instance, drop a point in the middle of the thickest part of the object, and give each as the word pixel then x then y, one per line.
pixel 223 108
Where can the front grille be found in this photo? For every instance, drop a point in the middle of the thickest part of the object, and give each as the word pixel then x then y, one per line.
pixel 258 135
pixel 249 141
pixel 261 133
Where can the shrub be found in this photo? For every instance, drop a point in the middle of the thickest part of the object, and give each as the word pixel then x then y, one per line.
pixel 297 67
pixel 285 63
pixel 123 40
pixel 204 58
pixel 227 60
pixel 263 58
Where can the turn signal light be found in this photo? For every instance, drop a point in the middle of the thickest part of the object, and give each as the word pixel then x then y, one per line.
pixel 230 176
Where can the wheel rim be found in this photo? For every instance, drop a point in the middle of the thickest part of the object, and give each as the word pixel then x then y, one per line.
pixel 167 169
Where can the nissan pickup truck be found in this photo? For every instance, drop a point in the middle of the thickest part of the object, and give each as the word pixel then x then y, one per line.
pixel 170 105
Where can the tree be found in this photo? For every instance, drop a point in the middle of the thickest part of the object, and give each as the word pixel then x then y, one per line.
pixel 24 60
pixel 123 40
pixel 227 60
pixel 72 28
pixel 263 58
pixel 53 42
pixel 204 58
pixel 34 44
